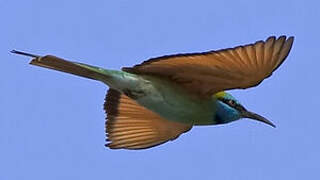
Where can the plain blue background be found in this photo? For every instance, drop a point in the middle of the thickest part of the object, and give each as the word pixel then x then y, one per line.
pixel 52 124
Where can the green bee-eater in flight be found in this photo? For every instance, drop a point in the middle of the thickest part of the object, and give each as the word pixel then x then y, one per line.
pixel 161 98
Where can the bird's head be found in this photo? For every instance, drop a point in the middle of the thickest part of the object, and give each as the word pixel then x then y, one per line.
pixel 229 109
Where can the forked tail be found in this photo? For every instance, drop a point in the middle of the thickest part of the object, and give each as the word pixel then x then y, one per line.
pixel 60 64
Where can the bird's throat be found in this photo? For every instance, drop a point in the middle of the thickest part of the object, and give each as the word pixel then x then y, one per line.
pixel 225 114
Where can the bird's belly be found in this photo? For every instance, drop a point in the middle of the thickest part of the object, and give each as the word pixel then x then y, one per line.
pixel 172 102
pixel 163 97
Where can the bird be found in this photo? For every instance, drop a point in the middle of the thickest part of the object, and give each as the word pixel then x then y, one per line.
pixel 158 100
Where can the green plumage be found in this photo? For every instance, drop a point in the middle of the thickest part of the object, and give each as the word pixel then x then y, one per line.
pixel 159 95
pixel 176 92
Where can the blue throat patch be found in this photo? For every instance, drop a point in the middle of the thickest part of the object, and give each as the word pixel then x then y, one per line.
pixel 225 113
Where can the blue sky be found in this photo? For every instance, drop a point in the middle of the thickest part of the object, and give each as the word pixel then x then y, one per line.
pixel 52 124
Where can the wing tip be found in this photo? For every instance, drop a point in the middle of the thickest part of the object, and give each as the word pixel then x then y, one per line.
pixel 288 44
pixel 112 102
pixel 290 40
pixel 271 38
pixel 110 146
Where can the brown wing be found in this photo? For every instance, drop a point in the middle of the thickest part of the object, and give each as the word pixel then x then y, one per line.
pixel 210 72
pixel 131 126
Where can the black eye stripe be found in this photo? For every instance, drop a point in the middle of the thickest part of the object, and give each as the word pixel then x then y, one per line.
pixel 233 104
pixel 230 102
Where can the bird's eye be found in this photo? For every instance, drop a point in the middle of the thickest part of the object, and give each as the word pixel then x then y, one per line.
pixel 232 102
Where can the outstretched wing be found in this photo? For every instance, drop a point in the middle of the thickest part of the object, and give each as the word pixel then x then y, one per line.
pixel 210 72
pixel 131 126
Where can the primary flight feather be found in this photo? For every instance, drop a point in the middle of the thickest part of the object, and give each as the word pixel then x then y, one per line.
pixel 161 98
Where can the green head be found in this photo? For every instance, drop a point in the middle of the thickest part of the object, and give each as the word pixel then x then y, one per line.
pixel 229 109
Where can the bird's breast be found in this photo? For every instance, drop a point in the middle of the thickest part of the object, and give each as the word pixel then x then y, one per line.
pixel 172 102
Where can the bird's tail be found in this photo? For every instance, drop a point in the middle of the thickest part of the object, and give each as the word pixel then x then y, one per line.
pixel 60 64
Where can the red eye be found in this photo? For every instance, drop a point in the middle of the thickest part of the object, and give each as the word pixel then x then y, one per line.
pixel 232 102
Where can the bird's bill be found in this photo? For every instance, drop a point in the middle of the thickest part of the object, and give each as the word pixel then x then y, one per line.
pixel 257 117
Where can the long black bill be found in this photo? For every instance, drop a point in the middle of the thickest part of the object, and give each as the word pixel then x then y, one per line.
pixel 257 117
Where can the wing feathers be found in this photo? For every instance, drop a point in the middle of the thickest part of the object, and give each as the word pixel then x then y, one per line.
pixel 250 50
pixel 276 51
pixel 210 72
pixel 243 58
pixel 268 51
pixel 260 53
pixel 131 126
pixel 284 51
